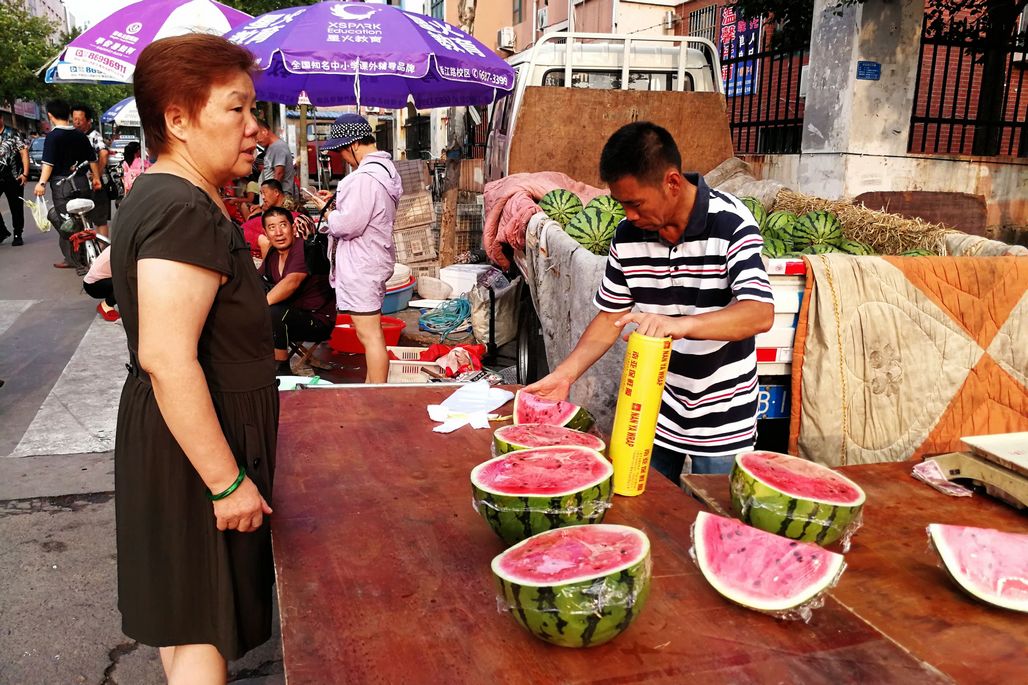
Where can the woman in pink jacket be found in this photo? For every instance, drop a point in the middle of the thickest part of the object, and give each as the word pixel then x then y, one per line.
pixel 360 231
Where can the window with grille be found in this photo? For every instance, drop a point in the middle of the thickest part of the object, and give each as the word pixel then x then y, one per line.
pixel 703 23
pixel 517 12
pixel 438 10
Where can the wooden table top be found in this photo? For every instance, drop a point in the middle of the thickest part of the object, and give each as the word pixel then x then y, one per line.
pixel 895 581
pixel 383 572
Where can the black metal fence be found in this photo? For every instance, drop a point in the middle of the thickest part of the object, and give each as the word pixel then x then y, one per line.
pixel 765 103
pixel 969 95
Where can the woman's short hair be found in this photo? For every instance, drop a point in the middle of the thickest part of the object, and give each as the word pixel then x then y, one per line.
pixel 271 212
pixel 181 71
pixel 132 151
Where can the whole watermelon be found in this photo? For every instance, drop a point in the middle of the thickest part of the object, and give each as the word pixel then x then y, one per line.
pixel 757 209
pixel 781 222
pixel 593 229
pixel 820 248
pixel 854 247
pixel 606 203
pixel 918 253
pixel 774 248
pixel 561 205
pixel 576 587
pixel 817 228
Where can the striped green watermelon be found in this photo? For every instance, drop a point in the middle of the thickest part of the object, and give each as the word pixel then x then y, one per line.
pixel 817 228
pixel 576 587
pixel 529 408
pixel 762 571
pixel 774 248
pixel 756 208
pixel 528 491
pixel 608 204
pixel 561 205
pixel 854 247
pixel 781 222
pixel 820 248
pixel 919 253
pixel 525 436
pixel 794 497
pixel 593 229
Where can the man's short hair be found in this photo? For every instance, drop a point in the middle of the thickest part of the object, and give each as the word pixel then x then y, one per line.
pixel 642 150
pixel 262 124
pixel 59 109
pixel 274 184
pixel 276 211
pixel 85 109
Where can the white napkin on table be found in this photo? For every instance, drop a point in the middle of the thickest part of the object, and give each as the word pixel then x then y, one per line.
pixel 470 404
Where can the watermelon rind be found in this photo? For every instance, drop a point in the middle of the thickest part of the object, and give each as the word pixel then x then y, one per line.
pixel 607 203
pixel 516 517
pixel 561 436
pixel 593 229
pixel 590 610
pixel 526 410
pixel 1000 573
pixel 757 209
pixel 758 561
pixel 561 205
pixel 822 520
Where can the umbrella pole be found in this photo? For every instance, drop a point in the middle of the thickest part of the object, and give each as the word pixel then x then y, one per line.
pixel 301 140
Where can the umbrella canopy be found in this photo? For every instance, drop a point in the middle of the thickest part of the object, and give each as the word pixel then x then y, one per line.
pixel 111 47
pixel 123 114
pixel 350 53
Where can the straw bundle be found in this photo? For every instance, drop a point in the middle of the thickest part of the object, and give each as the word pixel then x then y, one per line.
pixel 885 233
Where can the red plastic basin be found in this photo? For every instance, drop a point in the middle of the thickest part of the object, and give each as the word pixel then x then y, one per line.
pixel 344 336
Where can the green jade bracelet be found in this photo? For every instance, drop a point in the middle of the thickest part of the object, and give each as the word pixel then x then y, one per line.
pixel 230 489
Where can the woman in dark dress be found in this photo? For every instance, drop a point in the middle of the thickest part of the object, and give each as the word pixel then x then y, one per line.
pixel 198 418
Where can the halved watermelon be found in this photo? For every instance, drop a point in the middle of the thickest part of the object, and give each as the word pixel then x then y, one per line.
pixel 529 491
pixel 794 497
pixel 525 436
pixel 576 587
pixel 990 565
pixel 529 408
pixel 762 571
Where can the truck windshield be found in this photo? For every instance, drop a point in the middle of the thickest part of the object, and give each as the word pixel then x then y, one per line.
pixel 611 80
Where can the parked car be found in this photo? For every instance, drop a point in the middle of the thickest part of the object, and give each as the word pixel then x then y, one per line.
pixel 36 157
pixel 116 150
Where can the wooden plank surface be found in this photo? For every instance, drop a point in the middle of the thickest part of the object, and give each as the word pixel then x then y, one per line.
pixel 553 122
pixel 895 581
pixel 383 572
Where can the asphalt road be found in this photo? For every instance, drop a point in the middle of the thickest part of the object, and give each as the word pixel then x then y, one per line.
pixel 62 367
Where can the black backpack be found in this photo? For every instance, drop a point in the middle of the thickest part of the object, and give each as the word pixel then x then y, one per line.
pixel 315 249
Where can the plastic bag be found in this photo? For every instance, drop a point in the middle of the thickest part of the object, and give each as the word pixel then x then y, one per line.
pixel 39 213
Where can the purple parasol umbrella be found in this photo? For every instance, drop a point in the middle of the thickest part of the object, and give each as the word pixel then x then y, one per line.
pixel 110 48
pixel 350 53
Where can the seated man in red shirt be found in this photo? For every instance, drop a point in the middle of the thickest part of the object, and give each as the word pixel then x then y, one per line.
pixel 303 306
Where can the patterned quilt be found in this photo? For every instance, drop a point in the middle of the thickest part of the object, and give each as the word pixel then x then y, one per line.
pixel 898 358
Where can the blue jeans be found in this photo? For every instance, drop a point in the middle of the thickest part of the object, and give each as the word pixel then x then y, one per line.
pixel 671 464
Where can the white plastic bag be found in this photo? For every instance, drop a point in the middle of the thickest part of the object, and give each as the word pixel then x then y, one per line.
pixel 39 213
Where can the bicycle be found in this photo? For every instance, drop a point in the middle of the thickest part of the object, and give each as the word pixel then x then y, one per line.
pixel 76 226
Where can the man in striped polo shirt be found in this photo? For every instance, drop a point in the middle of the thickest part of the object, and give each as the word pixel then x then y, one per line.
pixel 687 259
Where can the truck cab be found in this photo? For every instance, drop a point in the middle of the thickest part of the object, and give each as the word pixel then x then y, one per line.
pixel 600 62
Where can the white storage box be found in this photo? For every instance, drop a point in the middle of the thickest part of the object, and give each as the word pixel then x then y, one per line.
pixel 462 277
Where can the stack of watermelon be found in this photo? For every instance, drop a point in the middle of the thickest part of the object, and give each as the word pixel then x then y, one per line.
pixel 772 560
pixel 591 226
pixel 569 584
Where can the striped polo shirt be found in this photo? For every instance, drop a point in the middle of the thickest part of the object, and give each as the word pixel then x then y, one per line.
pixel 709 405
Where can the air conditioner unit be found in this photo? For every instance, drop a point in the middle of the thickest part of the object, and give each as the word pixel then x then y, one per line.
pixel 542 18
pixel 669 20
pixel 505 39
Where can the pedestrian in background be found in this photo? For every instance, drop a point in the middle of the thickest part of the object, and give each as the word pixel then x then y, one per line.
pixel 82 119
pixel 198 419
pixel 278 160
pixel 361 234
pixel 132 165
pixel 64 150
pixel 14 171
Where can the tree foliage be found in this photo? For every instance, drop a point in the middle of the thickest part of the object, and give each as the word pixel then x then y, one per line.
pixel 256 7
pixel 25 46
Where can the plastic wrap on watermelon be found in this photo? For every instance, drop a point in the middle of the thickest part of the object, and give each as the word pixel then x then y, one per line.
pixel 575 587
pixel 796 498
pixel 758 570
pixel 989 565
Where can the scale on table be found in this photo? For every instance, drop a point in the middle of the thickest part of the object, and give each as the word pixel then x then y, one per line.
pixel 999 462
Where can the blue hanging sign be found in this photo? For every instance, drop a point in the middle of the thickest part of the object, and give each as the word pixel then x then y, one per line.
pixel 869 71
pixel 739 38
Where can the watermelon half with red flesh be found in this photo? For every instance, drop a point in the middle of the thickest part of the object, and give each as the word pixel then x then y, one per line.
pixel 530 491
pixel 529 408
pixel 576 587
pixel 794 497
pixel 990 565
pixel 760 570
pixel 528 435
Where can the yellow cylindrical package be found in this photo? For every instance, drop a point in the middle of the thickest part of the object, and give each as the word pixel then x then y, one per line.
pixel 635 421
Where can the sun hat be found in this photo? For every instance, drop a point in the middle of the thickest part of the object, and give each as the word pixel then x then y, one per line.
pixel 346 129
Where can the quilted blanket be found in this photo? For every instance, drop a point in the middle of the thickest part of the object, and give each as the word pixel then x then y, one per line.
pixel 898 358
